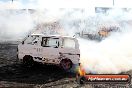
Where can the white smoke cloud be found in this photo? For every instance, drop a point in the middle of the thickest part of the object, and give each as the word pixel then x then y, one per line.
pixel 14 24
pixel 112 55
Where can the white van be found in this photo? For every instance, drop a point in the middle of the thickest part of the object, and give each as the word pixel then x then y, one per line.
pixel 60 50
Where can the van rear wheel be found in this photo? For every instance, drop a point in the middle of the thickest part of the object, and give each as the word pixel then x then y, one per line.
pixel 28 61
pixel 66 64
pixel 81 80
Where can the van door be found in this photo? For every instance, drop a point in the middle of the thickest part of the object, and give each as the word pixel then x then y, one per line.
pixel 50 47
pixel 70 49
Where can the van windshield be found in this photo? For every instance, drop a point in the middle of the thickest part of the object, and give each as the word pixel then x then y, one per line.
pixel 32 39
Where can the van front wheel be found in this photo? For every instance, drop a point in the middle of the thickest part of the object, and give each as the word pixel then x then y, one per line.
pixel 66 64
pixel 28 61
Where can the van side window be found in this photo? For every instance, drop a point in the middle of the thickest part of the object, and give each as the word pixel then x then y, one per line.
pixel 69 43
pixel 50 42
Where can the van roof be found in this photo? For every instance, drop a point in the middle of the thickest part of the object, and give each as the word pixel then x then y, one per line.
pixel 51 35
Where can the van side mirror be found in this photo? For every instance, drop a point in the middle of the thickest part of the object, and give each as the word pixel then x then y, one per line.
pixel 22 42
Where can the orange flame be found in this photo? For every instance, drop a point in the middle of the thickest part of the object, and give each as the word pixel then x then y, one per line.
pixel 81 71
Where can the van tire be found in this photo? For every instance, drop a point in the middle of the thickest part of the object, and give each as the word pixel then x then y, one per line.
pixel 28 61
pixel 66 64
